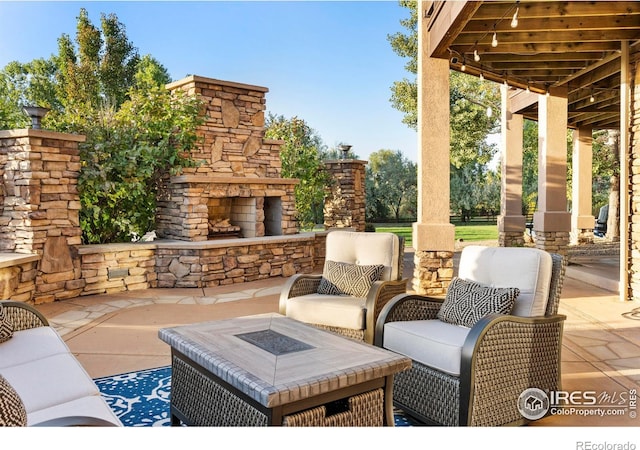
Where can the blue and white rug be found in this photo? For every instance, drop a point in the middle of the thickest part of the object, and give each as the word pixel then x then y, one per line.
pixel 141 399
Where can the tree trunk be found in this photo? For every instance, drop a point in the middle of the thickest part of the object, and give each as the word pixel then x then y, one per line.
pixel 613 220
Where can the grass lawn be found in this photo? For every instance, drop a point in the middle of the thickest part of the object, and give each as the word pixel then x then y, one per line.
pixel 474 232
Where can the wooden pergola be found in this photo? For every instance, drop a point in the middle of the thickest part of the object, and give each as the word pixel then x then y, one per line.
pixel 565 64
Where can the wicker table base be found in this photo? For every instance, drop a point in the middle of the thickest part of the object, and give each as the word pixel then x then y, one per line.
pixel 271 370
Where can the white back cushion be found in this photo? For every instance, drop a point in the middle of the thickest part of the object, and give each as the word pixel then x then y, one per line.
pixel 365 249
pixel 528 269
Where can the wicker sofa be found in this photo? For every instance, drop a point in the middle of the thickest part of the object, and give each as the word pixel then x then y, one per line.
pixel 41 381
pixel 473 376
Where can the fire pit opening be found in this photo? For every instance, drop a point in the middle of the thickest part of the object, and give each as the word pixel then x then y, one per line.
pixel 232 217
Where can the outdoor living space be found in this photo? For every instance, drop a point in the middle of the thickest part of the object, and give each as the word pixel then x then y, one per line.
pixel 600 350
pixel 219 269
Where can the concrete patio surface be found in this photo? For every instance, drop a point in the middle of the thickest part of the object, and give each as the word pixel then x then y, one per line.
pixel 117 333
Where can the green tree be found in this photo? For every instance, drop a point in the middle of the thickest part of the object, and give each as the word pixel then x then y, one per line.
pixel 23 84
pixel 392 182
pixel 137 131
pixel 125 158
pixel 93 74
pixel 471 101
pixel 301 157
pixel 404 93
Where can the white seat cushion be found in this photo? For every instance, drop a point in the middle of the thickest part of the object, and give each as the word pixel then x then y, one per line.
pixel 50 381
pixel 528 269
pixel 331 310
pixel 365 249
pixel 31 345
pixel 431 342
pixel 90 406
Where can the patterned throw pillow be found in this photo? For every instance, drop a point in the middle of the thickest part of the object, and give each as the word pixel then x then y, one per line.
pixel 467 302
pixel 341 278
pixel 6 327
pixel 12 411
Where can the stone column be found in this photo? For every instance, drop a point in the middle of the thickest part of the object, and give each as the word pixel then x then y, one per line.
pixel 511 221
pixel 582 221
pixel 629 176
pixel 345 204
pixel 40 213
pixel 433 235
pixel 552 221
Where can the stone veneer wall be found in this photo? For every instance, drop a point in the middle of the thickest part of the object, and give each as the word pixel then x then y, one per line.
pixel 633 290
pixel 18 276
pixel 236 161
pixel 511 238
pixel 433 272
pixel 345 202
pixel 41 205
pixel 183 214
pixel 234 261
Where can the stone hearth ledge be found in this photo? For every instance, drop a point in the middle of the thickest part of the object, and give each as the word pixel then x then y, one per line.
pixel 195 245
pixel 15 259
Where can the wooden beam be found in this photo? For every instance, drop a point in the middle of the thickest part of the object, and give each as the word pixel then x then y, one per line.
pixel 526 24
pixel 496 10
pixel 534 48
pixel 521 100
pixel 445 26
pixel 544 57
pixel 611 65
pixel 544 36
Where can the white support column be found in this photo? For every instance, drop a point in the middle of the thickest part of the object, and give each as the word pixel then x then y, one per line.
pixel 552 221
pixel 582 220
pixel 433 235
pixel 511 222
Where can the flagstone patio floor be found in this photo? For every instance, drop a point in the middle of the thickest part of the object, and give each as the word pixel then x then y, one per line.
pixel 118 333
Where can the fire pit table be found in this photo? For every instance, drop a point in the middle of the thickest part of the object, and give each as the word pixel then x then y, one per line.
pixel 271 370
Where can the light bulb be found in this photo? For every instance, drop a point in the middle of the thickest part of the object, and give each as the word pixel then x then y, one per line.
pixel 481 77
pixel 514 21
pixel 592 99
pixel 476 56
pixel 494 41
pixel 528 90
pixel 489 111
pixel 463 67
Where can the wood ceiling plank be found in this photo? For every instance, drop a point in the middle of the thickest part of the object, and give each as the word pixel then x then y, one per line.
pixel 495 10
pixel 612 22
pixel 545 36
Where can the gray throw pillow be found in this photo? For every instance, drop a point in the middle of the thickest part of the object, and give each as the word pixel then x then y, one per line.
pixel 6 327
pixel 12 411
pixel 468 301
pixel 340 278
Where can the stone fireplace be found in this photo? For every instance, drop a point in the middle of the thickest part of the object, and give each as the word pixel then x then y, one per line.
pixel 237 190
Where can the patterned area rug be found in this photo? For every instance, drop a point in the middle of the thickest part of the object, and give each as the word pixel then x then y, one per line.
pixel 141 399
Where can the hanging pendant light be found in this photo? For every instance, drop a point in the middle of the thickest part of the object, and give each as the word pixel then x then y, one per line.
pixel 514 20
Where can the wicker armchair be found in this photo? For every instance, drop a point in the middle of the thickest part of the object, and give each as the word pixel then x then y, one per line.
pixel 354 316
pixel 497 358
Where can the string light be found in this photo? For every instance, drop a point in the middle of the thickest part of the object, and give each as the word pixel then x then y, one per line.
pixel 592 98
pixel 528 90
pixel 494 41
pixel 463 67
pixel 476 56
pixel 481 77
pixel 489 111
pixel 514 20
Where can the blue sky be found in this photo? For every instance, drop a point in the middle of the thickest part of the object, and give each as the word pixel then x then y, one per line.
pixel 327 62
